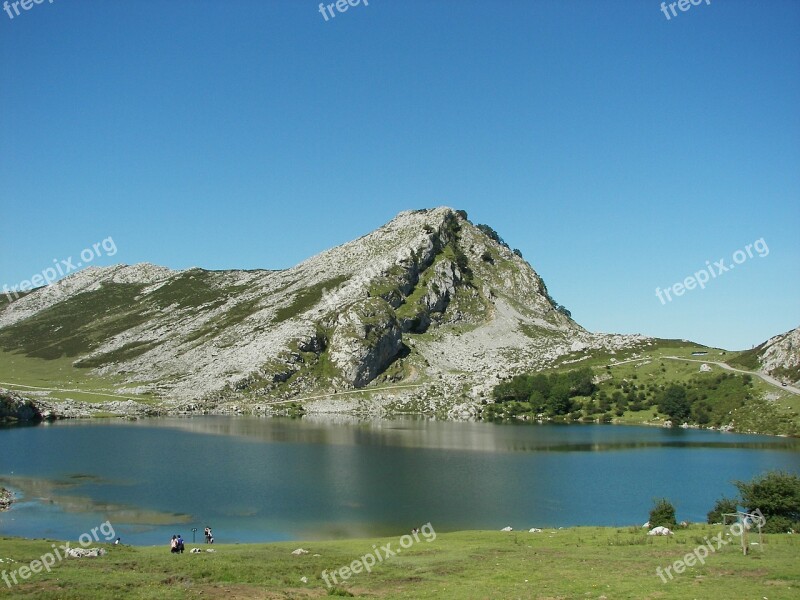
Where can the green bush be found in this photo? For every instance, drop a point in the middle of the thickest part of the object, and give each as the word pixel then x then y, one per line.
pixel 721 507
pixel 662 514
pixel 777 495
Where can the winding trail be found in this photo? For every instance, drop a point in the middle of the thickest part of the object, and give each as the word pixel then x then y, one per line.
pixel 764 376
pixel 767 378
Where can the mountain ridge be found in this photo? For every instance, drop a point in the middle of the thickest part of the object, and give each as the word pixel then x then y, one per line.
pixel 428 299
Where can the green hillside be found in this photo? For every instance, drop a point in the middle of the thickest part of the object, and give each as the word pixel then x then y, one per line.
pixel 650 384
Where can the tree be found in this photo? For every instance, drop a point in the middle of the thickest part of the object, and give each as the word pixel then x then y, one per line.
pixel 777 495
pixel 537 401
pixel 540 383
pixel 662 514
pixel 721 507
pixel 558 401
pixel 581 381
pixel 675 404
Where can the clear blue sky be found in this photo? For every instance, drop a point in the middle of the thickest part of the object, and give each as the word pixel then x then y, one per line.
pixel 618 150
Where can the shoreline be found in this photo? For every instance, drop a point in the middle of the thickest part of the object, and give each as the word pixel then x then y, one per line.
pixel 16 409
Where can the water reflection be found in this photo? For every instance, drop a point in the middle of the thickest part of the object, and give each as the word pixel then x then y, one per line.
pixel 412 432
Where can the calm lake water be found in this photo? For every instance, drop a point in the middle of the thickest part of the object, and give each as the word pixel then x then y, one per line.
pixel 255 479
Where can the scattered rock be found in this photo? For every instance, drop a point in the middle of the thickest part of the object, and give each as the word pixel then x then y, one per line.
pixel 299 551
pixel 6 498
pixel 507 528
pixel 660 530
pixel 86 552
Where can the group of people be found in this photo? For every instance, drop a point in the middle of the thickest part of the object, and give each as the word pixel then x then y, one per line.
pixel 176 544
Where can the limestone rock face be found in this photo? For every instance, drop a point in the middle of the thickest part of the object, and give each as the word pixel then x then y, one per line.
pixel 780 355
pixel 442 286
pixel 367 337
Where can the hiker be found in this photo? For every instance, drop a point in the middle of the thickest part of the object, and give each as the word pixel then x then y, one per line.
pixel 173 544
pixel 180 544
pixel 117 542
pixel 207 533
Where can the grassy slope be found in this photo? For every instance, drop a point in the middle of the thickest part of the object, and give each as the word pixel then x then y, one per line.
pixel 16 368
pixel 660 370
pixel 587 562
pixel 46 349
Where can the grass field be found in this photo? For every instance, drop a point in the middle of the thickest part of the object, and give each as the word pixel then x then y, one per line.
pixel 585 562
pixel 26 374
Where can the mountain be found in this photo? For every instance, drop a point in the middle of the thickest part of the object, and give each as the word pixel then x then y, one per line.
pixel 430 305
pixel 779 357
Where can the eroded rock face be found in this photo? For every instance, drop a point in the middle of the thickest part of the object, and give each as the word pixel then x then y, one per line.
pixel 366 339
pixel 442 286
pixel 781 355
pixel 16 408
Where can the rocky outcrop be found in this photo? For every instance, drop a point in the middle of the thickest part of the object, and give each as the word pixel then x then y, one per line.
pixel 86 552
pixel 780 356
pixel 441 286
pixel 14 407
pixel 366 339
pixel 6 498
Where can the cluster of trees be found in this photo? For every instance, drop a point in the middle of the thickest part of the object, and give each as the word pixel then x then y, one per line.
pixel 705 401
pixel 776 494
pixel 551 394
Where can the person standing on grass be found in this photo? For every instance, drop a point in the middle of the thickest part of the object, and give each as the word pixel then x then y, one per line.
pixel 173 544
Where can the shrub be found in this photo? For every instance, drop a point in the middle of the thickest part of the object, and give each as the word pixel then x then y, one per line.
pixel 777 495
pixel 721 507
pixel 662 514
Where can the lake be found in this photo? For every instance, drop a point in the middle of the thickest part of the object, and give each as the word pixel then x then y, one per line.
pixel 258 479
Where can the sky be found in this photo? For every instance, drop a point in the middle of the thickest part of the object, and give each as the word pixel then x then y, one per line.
pixel 616 148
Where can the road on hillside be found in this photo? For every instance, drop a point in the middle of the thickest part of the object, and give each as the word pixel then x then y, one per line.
pixel 763 376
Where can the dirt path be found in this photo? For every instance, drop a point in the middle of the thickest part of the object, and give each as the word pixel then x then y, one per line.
pixel 334 395
pixel 14 386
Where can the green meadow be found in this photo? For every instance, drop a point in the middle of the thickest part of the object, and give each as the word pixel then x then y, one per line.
pixel 583 562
